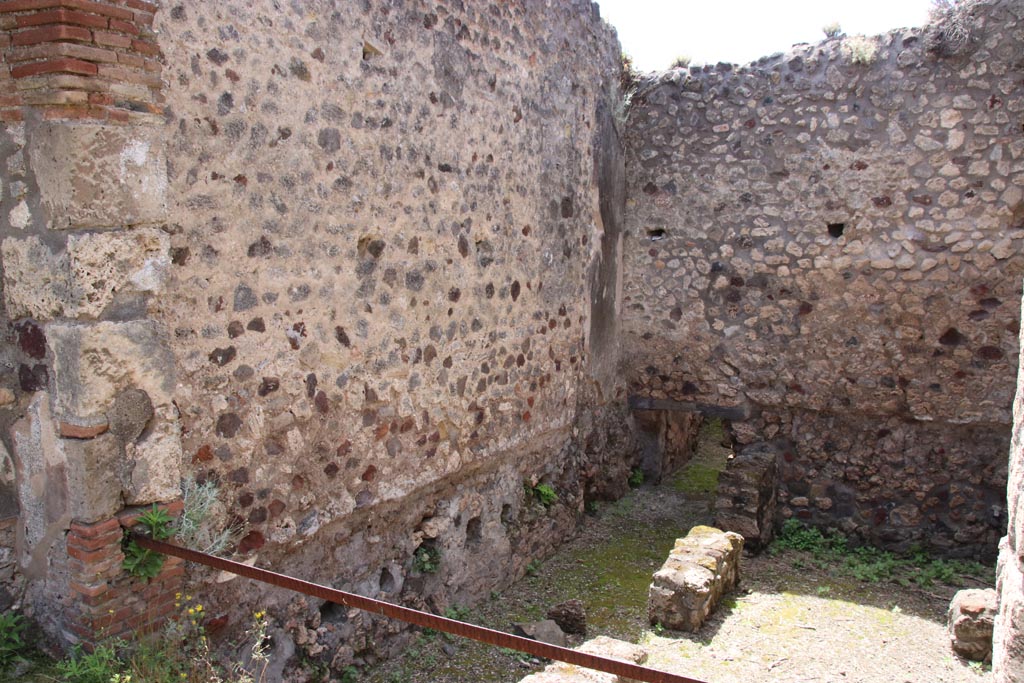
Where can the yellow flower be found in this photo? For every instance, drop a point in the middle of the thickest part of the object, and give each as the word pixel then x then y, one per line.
pixel 191 611
pixel 177 596
pixel 199 608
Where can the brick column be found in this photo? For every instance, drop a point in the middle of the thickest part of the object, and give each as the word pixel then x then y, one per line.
pixel 82 200
pixel 108 602
pixel 79 59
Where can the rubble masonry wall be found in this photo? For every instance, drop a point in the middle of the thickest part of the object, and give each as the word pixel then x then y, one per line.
pixel 827 245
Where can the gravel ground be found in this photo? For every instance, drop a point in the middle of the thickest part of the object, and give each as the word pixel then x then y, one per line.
pixel 789 621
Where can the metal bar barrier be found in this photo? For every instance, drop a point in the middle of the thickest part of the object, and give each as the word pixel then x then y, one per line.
pixel 424 619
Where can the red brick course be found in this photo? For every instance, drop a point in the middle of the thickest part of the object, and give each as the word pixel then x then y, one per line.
pixel 62 16
pixel 51 34
pixel 65 65
pixel 95 530
pixel 73 431
pixel 87 53
pixel 83 5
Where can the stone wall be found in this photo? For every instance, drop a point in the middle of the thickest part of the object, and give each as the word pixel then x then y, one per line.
pixel 394 231
pixel 1008 634
pixel 827 244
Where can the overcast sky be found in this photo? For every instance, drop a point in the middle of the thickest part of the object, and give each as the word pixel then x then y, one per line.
pixel 655 32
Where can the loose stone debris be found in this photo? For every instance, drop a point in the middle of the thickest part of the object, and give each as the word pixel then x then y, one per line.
pixel 971 617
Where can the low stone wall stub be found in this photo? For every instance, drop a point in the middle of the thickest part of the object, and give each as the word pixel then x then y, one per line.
pixel 747 495
pixel 700 569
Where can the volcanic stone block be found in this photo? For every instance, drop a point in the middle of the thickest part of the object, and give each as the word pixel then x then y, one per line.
pixel 747 494
pixel 570 616
pixel 110 267
pixel 546 631
pixel 35 279
pixel 94 470
pixel 602 646
pixel 699 570
pixel 154 461
pixel 98 176
pixel 971 617
pixel 104 370
pixel 93 363
pixel 41 476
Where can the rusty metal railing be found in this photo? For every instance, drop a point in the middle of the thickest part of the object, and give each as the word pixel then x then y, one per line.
pixel 418 618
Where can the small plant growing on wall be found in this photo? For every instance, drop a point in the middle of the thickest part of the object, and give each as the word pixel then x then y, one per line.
pixel 542 493
pixel 628 79
pixel 636 478
pixel 860 50
pixel 833 30
pixel 196 527
pixel 138 561
pixel 628 75
pixel 426 559
pixel 951 26
pixel 681 62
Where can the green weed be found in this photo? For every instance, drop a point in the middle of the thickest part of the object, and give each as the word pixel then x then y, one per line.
pixel 12 644
pixel 545 494
pixel 458 613
pixel 515 654
pixel 831 549
pixel 636 478
pixel 138 561
pixel 98 666
pixel 426 559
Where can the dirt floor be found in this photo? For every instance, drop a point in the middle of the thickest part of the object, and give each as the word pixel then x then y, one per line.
pixel 791 619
